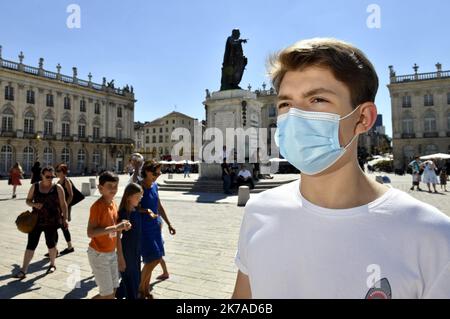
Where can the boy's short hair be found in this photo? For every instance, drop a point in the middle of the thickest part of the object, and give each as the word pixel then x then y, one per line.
pixel 108 176
pixel 348 64
pixel 149 166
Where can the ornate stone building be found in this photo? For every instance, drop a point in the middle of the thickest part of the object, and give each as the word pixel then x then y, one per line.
pixel 54 118
pixel 420 105
pixel 153 139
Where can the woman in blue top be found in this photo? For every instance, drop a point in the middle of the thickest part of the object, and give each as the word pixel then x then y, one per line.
pixel 152 249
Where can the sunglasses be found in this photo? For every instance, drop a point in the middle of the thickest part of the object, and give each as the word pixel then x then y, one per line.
pixel 58 171
pixel 49 177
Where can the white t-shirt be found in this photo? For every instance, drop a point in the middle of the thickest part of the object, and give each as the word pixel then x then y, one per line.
pixel 244 173
pixel 395 247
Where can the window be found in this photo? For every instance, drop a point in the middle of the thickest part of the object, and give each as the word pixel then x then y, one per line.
pixel 65 129
pixel 96 133
pixel 167 121
pixel 430 123
pixel 65 156
pixel 49 100
pixel 408 125
pixel 167 130
pixel 28 123
pixel 167 139
pixel 173 121
pixel 82 106
pixel 119 133
pixel 28 158
pixel 119 112
pixel 48 127
pixel 406 101
pixel 272 111
pixel 81 130
pixel 160 150
pixel 96 158
pixel 160 130
pixel 30 97
pixel 81 160
pixel 147 139
pixel 97 108
pixel 48 156
pixel 147 131
pixel 160 138
pixel 9 93
pixel 67 103
pixel 428 100
pixel 166 150
pixel 6 154
pixel 154 130
pixel 153 139
pixel 182 121
pixel 7 120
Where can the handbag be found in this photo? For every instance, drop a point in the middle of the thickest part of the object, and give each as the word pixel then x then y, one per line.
pixel 77 196
pixel 26 221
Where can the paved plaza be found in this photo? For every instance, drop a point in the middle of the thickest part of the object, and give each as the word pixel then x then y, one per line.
pixel 200 257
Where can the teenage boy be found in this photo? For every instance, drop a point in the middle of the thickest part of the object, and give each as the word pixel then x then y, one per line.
pixel 336 233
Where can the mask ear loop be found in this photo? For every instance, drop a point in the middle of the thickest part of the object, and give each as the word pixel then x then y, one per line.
pixel 355 135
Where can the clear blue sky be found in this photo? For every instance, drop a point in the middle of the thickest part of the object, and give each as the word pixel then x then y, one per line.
pixel 172 50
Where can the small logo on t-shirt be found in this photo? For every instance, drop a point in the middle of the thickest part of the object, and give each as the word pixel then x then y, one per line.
pixel 380 290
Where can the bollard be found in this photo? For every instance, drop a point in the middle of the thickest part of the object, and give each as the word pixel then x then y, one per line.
pixel 92 181
pixel 243 195
pixel 86 189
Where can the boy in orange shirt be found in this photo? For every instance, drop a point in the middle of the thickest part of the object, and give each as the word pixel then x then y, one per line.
pixel 103 231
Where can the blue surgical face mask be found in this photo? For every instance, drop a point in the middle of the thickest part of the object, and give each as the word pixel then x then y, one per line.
pixel 310 140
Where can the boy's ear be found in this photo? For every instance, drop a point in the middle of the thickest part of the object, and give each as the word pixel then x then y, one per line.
pixel 368 117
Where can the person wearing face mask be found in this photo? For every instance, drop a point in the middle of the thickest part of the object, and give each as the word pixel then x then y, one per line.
pixel 335 232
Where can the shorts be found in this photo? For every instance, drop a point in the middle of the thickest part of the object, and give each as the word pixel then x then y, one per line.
pixel 105 269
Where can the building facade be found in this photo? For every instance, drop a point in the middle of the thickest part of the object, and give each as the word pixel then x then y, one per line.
pixel 153 139
pixel 420 104
pixel 53 118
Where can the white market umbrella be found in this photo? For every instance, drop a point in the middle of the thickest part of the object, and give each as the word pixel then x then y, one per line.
pixel 436 156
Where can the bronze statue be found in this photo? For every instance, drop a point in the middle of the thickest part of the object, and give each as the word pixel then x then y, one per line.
pixel 234 62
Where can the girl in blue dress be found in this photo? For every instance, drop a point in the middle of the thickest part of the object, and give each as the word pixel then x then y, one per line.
pixel 130 259
pixel 152 243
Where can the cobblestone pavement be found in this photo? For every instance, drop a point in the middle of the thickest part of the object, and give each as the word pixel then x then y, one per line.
pixel 200 257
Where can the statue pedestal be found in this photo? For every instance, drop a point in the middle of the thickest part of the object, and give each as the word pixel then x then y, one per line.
pixel 230 109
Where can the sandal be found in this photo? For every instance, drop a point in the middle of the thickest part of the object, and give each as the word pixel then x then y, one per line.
pixel 67 251
pixel 162 277
pixel 20 275
pixel 51 269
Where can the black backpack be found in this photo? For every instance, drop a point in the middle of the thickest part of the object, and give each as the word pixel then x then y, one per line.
pixel 77 195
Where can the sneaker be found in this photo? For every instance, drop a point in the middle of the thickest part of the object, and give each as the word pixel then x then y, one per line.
pixel 67 251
